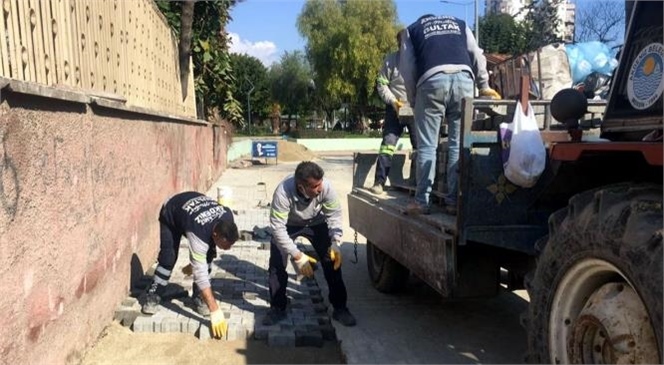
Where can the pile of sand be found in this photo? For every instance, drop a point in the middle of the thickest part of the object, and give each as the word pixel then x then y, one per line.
pixel 291 151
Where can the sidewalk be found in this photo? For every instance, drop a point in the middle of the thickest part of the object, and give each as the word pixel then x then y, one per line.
pixel 239 279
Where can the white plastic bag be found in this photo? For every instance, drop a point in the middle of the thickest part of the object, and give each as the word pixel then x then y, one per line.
pixel 524 156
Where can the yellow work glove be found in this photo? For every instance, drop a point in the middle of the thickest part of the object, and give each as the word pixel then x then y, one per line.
pixel 218 324
pixel 493 94
pixel 397 104
pixel 304 265
pixel 335 253
pixel 187 270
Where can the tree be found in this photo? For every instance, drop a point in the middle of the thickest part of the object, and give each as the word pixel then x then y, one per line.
pixel 250 73
pixel 290 83
pixel 600 21
pixel 542 24
pixel 346 42
pixel 500 33
pixel 213 78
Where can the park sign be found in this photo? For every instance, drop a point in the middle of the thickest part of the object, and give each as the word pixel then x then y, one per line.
pixel 264 149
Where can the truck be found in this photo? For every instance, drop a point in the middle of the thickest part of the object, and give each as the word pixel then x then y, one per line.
pixel 585 241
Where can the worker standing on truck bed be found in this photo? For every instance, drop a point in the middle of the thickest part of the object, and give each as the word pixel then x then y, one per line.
pixel 392 91
pixel 207 225
pixel 439 60
pixel 305 204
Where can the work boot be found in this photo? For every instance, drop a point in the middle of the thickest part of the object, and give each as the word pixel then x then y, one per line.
pixel 343 316
pixel 377 189
pixel 415 208
pixel 200 306
pixel 274 316
pixel 152 300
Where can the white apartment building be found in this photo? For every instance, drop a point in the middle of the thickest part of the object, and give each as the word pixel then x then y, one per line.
pixel 517 9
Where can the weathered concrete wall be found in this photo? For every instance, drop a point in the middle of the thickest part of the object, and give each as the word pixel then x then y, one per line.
pixel 80 189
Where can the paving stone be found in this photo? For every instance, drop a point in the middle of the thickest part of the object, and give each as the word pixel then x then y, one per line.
pixel 316 298
pixel 236 332
pixel 281 339
pixel 129 318
pixel 308 339
pixel 129 302
pixel 320 308
pixel 328 332
pixel 170 324
pixel 260 332
pixel 143 324
pixel 204 331
pixel 323 320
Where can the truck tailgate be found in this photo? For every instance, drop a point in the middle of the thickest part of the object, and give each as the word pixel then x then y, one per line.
pixel 424 243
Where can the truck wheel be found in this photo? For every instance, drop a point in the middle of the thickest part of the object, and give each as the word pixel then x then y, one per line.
pixel 596 296
pixel 387 275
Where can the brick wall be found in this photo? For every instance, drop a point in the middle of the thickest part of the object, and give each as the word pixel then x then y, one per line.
pixel 80 189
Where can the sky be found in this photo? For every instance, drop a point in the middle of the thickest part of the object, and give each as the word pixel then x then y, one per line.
pixel 267 28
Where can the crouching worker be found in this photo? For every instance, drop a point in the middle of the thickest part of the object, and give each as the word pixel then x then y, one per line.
pixel 306 205
pixel 207 225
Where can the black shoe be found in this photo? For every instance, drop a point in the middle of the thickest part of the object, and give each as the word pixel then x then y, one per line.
pixel 200 306
pixel 344 317
pixel 274 316
pixel 152 300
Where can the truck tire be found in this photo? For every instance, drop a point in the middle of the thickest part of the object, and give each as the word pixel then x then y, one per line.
pixel 596 295
pixel 387 275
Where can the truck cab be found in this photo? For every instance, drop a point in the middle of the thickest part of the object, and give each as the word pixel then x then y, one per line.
pixel 585 241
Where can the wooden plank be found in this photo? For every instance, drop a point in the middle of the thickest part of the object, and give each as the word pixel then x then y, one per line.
pixel 37 39
pixel 16 66
pixel 80 8
pixel 27 54
pixel 49 42
pixel 4 51
pixel 61 46
pixel 74 40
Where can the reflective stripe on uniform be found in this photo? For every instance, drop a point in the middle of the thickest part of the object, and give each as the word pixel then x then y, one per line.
pixel 386 149
pixel 334 204
pixel 200 257
pixel 280 215
pixel 382 80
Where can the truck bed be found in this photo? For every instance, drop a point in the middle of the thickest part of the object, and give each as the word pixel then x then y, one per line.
pixel 396 198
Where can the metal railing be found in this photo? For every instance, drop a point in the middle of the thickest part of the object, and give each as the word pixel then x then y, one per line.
pixel 120 49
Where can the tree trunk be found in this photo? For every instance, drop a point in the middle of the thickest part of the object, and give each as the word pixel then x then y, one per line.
pixel 186 21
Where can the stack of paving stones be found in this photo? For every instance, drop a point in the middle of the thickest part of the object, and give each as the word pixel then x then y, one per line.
pixel 239 280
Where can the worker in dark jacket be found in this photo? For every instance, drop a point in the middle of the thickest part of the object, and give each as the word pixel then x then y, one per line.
pixel 207 225
pixel 440 63
pixel 398 115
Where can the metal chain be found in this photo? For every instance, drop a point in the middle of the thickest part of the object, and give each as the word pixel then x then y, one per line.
pixel 355 249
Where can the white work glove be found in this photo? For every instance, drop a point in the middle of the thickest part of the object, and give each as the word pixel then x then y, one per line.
pixel 493 94
pixel 304 265
pixel 335 253
pixel 218 324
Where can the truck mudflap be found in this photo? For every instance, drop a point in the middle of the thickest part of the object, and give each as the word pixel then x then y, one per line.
pixel 425 248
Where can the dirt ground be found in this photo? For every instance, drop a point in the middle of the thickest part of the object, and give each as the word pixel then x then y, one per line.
pixel 119 345
pixel 290 151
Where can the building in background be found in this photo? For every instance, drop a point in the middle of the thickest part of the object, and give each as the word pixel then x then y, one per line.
pixel 519 9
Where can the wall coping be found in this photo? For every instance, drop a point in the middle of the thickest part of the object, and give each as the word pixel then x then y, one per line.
pixel 91 97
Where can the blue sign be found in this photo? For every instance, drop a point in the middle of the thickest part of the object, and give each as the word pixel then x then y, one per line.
pixel 263 149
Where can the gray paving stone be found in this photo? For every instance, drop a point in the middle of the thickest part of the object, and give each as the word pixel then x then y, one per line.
pixel 204 331
pixel 309 338
pixel 236 332
pixel 170 324
pixel 129 302
pixel 281 339
pixel 143 324
pixel 260 332
pixel 328 332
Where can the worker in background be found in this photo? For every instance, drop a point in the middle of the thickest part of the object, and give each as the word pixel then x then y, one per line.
pixel 440 63
pixel 207 225
pixel 305 204
pixel 392 91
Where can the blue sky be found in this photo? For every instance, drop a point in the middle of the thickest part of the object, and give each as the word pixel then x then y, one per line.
pixel 266 28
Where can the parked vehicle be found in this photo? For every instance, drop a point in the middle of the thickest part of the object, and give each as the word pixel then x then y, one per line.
pixel 585 241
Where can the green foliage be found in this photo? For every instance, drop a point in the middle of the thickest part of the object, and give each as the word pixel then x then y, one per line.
pixel 542 23
pixel 346 42
pixel 290 80
pixel 213 77
pixel 319 133
pixel 249 72
pixel 500 33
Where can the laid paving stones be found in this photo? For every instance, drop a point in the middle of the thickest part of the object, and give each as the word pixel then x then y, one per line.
pixel 239 280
